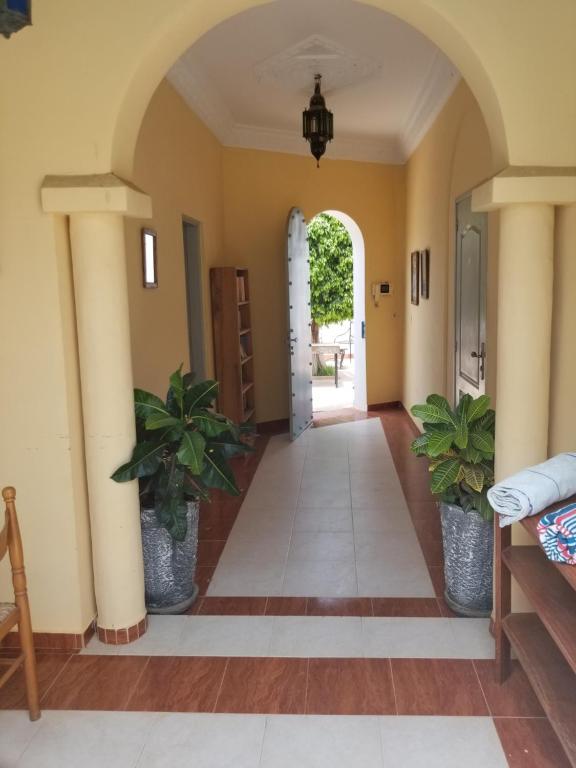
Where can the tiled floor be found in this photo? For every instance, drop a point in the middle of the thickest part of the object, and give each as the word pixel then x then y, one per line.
pixel 307 636
pixel 151 740
pixel 321 658
pixel 325 516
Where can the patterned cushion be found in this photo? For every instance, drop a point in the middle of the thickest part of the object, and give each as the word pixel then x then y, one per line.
pixel 5 610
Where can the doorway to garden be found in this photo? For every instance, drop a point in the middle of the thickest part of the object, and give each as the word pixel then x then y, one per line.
pixel 337 278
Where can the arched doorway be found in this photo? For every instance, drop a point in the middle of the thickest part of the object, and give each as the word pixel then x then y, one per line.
pixel 353 389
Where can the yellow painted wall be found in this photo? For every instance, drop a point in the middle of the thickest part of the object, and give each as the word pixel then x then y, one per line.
pixel 453 157
pixel 260 188
pixel 179 164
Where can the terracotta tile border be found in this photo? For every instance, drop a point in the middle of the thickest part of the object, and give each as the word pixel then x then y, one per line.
pixel 449 672
pixel 52 641
pixel 124 635
pixel 319 606
pixel 400 430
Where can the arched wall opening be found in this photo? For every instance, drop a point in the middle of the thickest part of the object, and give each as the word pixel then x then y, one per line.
pixel 181 30
pixel 359 322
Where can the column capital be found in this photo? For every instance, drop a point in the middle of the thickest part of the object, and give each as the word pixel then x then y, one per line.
pixel 97 193
pixel 518 185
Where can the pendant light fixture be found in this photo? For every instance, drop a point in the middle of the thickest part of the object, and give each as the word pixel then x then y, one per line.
pixel 317 122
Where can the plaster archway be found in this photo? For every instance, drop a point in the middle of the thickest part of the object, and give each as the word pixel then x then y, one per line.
pixel 184 26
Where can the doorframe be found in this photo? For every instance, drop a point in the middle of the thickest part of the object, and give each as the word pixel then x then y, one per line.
pixel 194 287
pixel 359 300
pixel 484 295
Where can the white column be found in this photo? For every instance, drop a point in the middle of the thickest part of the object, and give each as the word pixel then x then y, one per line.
pixel 101 293
pixel 525 277
pixel 96 206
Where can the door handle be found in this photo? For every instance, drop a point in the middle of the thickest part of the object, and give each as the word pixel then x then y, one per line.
pixel 480 356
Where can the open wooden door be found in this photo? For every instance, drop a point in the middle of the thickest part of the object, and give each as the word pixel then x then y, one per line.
pixel 299 324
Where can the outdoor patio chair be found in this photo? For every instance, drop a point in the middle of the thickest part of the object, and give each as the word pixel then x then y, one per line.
pixel 18 612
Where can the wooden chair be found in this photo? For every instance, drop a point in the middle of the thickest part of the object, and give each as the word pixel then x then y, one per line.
pixel 17 613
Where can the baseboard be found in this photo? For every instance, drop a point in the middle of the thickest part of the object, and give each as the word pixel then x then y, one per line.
pixel 276 427
pixel 413 426
pixel 391 406
pixel 52 641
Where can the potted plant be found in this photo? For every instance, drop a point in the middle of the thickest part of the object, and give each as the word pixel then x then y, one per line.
pixel 460 447
pixel 182 450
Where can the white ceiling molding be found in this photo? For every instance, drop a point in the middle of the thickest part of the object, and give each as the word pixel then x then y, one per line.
pixel 360 149
pixel 202 98
pixel 295 67
pixel 206 103
pixel 440 82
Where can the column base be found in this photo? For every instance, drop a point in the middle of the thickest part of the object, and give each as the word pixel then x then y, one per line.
pixel 123 636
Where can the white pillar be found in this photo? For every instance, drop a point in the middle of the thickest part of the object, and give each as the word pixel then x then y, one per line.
pixel 525 277
pixel 96 206
pixel 101 293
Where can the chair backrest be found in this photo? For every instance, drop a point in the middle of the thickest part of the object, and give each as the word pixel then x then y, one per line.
pixel 10 540
pixel 4 537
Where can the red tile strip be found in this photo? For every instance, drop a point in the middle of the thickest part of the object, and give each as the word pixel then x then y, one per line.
pixel 318 606
pixel 271 684
pixel 51 641
pixel 314 686
pixel 124 635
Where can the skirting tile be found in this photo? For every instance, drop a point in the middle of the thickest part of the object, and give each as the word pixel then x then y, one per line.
pixel 123 636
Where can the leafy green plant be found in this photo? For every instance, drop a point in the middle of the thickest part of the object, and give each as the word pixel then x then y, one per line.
pixel 323 369
pixel 460 447
pixel 182 450
pixel 331 272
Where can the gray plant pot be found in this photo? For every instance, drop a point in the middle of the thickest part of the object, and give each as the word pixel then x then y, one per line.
pixel 468 561
pixel 169 566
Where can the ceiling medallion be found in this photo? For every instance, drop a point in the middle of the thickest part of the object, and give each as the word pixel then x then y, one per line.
pixel 317 123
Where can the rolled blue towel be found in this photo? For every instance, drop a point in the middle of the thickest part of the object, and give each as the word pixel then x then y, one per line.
pixel 557 534
pixel 530 491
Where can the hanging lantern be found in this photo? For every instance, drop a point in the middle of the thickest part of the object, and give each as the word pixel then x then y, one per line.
pixel 14 14
pixel 317 122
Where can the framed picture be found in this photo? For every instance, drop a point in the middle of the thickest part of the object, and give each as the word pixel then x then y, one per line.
pixel 149 259
pixel 425 273
pixel 415 276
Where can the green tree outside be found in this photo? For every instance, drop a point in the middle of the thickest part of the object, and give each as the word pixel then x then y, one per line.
pixel 331 272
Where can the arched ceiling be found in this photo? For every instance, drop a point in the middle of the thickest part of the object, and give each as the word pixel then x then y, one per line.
pixel 250 77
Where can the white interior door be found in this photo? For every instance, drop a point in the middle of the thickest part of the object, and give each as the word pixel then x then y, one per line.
pixel 470 361
pixel 299 324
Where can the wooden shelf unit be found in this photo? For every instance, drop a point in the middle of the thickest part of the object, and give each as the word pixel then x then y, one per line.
pixel 545 640
pixel 233 345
